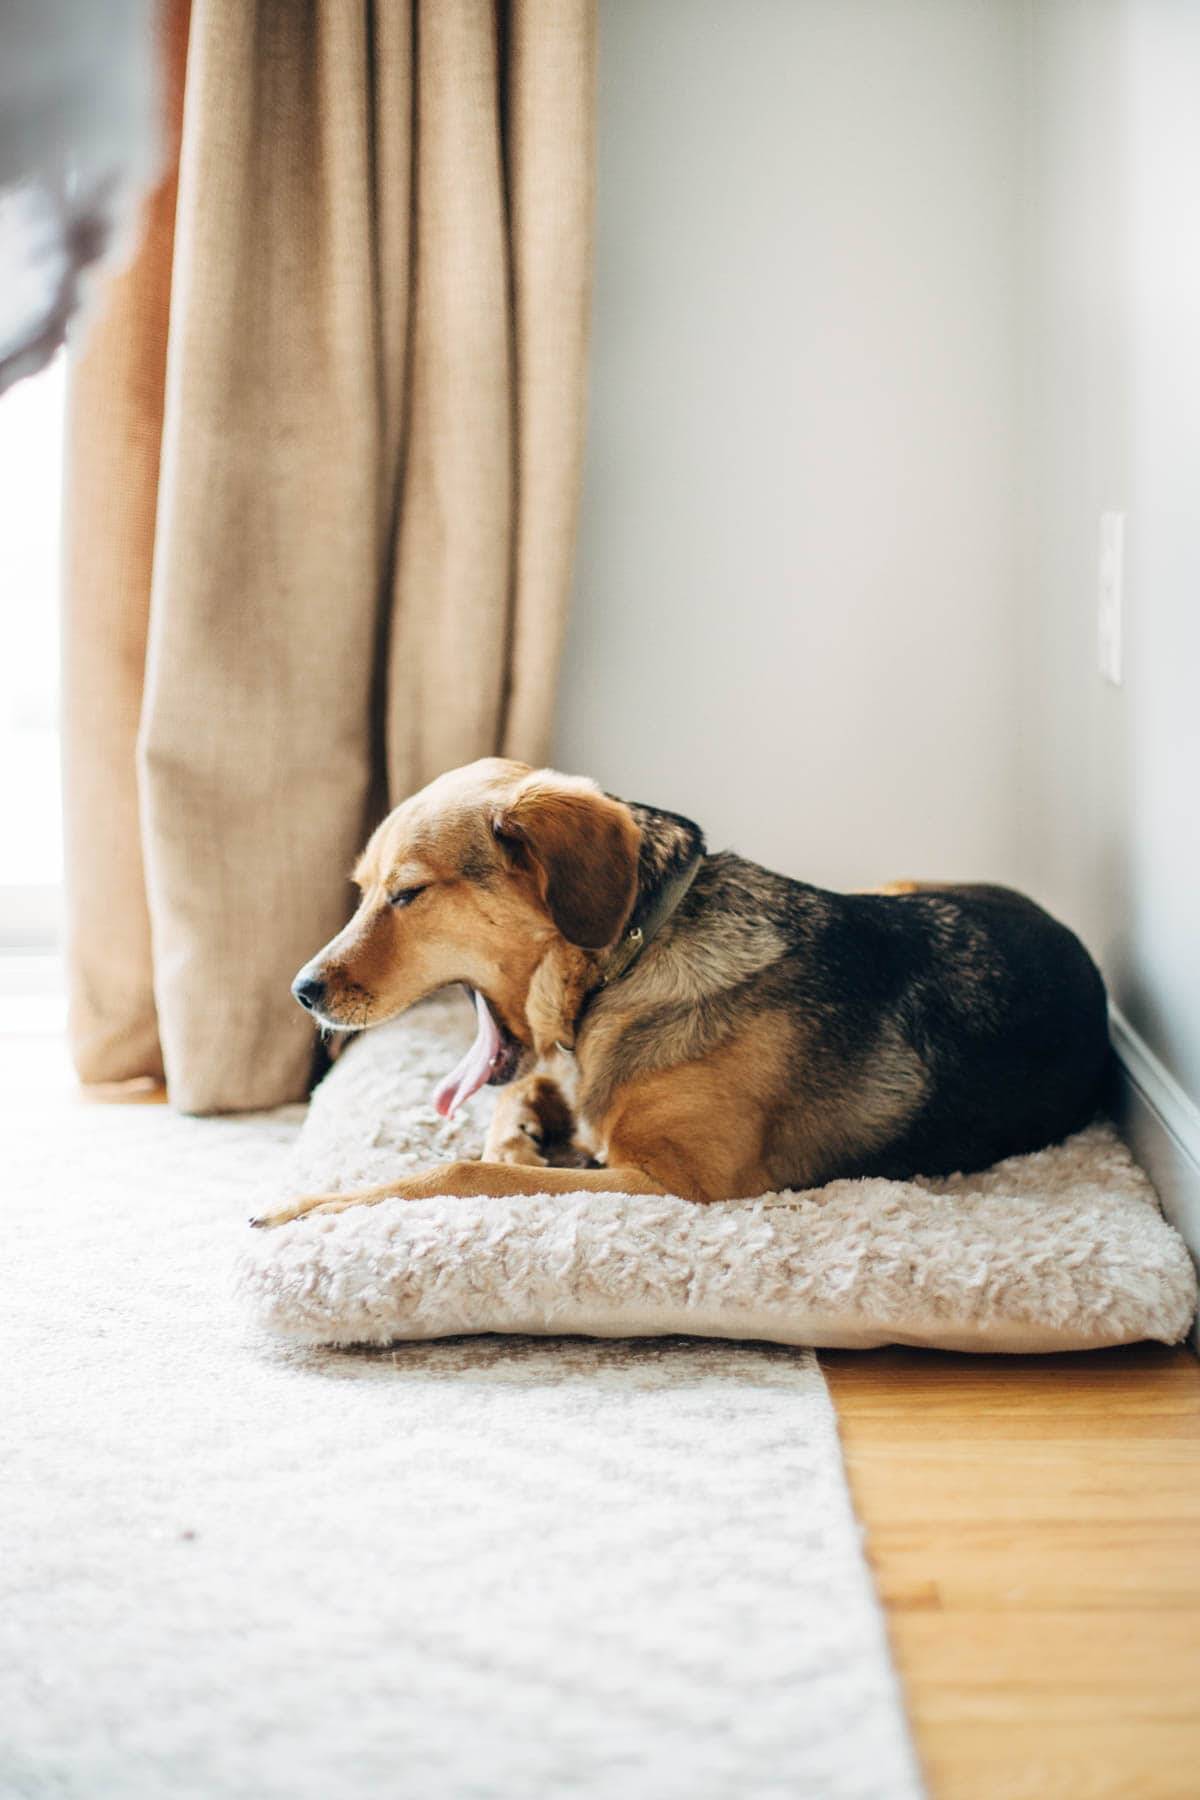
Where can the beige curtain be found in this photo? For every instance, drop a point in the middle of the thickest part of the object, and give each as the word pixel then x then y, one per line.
pixel 324 459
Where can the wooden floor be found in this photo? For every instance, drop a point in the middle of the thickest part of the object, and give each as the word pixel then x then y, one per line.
pixel 1034 1528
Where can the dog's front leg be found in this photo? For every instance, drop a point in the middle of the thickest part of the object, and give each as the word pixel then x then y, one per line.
pixel 534 1125
pixel 472 1180
pixel 517 1133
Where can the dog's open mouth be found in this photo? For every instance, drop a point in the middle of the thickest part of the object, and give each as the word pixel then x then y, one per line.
pixel 493 1057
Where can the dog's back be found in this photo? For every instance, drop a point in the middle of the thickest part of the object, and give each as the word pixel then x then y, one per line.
pixel 941 1029
pixel 1008 1014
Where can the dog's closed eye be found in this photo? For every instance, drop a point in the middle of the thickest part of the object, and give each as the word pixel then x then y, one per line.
pixel 406 896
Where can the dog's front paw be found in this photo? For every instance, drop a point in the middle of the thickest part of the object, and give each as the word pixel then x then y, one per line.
pixel 521 1144
pixel 280 1215
pixel 297 1209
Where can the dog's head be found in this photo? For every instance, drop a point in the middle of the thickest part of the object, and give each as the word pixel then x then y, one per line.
pixel 474 880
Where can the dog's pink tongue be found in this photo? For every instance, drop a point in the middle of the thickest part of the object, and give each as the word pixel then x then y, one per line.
pixel 468 1076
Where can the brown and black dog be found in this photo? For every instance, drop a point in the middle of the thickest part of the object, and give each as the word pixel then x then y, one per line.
pixel 690 1023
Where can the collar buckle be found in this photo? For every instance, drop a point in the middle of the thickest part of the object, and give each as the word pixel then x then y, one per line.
pixel 634 941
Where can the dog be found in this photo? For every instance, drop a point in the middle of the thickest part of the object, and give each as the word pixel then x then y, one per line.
pixel 662 1020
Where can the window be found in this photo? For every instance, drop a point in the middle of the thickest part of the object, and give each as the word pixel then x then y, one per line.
pixel 31 456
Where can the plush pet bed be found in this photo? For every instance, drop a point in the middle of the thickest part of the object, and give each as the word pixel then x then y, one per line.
pixel 1063 1250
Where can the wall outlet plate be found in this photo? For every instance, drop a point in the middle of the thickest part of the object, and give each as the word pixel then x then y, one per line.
pixel 1110 605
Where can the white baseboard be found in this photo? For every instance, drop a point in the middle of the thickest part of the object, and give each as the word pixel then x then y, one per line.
pixel 1161 1125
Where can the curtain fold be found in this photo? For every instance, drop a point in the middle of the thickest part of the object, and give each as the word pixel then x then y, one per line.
pixel 364 454
pixel 113 438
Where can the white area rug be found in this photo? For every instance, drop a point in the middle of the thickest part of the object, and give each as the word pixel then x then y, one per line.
pixel 490 1569
pixel 1063 1250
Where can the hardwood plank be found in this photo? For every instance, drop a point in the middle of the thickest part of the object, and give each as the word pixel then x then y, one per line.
pixel 1124 1382
pixel 1034 1527
pixel 1078 1565
pixel 1059 1664
pixel 1021 1760
pixel 1032 1483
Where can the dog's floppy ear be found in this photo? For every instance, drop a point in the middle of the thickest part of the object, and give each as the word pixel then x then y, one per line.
pixel 583 848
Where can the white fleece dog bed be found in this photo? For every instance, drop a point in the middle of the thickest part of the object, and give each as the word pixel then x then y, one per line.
pixel 1063 1250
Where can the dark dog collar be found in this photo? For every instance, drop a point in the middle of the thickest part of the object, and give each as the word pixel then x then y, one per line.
pixel 646 930
pixel 638 937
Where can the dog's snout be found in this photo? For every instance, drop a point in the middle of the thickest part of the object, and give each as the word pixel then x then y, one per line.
pixel 309 990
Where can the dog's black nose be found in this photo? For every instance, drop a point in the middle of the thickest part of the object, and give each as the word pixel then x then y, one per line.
pixel 309 991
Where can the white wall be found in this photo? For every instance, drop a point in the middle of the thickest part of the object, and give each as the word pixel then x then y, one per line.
pixel 793 615
pixel 893 298
pixel 1111 776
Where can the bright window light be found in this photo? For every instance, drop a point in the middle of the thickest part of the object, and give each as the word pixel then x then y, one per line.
pixel 31 458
